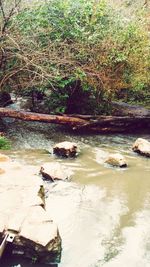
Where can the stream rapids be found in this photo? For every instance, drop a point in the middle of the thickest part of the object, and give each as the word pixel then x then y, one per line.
pixel 103 213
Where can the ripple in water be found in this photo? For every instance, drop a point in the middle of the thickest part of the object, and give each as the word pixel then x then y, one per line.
pixel 87 222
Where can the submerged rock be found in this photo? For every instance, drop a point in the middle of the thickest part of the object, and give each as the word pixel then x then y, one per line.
pixel 142 146
pixel 116 160
pixel 65 149
pixel 54 171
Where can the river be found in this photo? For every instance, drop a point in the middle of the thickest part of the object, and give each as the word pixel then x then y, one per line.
pixel 103 213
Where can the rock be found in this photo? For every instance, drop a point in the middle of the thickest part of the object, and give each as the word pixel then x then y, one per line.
pixel 39 237
pixel 4 158
pixel 124 109
pixel 22 213
pixel 65 149
pixel 142 146
pixel 54 171
pixel 116 160
pixel 2 171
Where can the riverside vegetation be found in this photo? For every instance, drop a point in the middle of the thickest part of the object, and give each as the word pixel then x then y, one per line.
pixel 77 56
pixel 4 143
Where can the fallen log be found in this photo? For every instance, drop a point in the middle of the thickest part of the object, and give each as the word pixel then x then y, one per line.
pixel 98 124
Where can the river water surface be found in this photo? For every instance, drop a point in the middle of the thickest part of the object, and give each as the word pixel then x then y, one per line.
pixel 103 213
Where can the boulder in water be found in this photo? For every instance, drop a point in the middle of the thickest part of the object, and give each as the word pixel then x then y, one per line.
pixel 117 160
pixel 54 171
pixel 142 146
pixel 65 149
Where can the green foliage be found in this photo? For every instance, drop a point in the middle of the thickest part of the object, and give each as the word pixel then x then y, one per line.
pixel 66 20
pixel 4 143
pixel 83 51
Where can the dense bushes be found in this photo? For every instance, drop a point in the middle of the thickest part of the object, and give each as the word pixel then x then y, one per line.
pixel 79 53
pixel 4 143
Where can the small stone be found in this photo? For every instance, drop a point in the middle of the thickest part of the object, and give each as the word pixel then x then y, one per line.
pixel 54 171
pixel 116 160
pixel 4 158
pixel 142 146
pixel 65 149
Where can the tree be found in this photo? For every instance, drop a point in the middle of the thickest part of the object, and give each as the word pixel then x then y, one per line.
pixel 7 10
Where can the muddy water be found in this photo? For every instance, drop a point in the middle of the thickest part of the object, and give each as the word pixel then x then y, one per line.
pixel 103 214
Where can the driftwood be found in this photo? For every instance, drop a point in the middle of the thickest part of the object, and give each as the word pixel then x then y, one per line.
pixel 98 124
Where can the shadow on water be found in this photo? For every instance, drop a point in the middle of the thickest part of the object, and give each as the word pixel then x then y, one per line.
pixel 9 260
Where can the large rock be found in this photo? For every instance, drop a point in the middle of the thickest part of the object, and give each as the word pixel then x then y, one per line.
pixel 65 149
pixel 142 146
pixel 22 213
pixel 54 171
pixel 116 160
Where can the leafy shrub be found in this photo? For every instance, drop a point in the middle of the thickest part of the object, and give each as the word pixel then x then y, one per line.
pixel 4 143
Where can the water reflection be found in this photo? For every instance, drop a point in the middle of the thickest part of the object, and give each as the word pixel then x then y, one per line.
pixel 135 251
pixel 88 221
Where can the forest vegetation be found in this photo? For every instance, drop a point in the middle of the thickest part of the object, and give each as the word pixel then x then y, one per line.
pixel 78 56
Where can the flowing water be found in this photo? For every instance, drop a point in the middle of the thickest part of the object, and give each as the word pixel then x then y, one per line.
pixel 103 214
